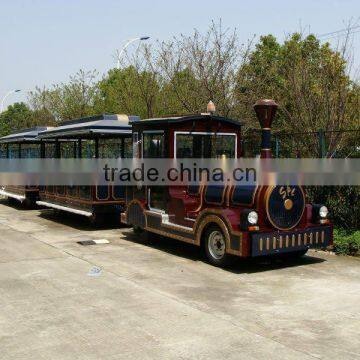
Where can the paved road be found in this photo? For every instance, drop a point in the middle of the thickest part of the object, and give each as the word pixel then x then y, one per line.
pixel 159 300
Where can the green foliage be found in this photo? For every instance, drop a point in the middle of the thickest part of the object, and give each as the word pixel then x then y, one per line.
pixel 309 81
pixel 343 203
pixel 17 116
pixel 346 243
pixel 70 100
pixel 128 91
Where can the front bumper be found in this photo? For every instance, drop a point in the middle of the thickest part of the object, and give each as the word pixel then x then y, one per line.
pixel 284 242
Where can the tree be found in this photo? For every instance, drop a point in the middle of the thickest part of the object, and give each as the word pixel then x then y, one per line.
pixel 310 82
pixel 17 116
pixel 199 68
pixel 131 90
pixel 67 100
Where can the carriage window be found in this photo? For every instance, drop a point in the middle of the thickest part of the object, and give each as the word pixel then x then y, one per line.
pixel 115 148
pixel 205 146
pixel 135 144
pixel 49 150
pixel 13 151
pixel 110 148
pixel 67 150
pixel 3 151
pixel 88 149
pixel 128 147
pixel 153 145
pixel 30 151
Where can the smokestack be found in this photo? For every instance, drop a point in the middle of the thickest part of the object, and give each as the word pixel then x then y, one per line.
pixel 265 111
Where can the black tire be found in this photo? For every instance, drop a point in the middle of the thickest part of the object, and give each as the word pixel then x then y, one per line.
pixel 216 253
pixel 29 204
pixel 97 220
pixel 138 230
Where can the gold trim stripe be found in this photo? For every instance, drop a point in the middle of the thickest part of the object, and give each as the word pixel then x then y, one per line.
pixel 286 241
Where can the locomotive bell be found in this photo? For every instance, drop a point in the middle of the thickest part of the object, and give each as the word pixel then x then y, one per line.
pixel 265 110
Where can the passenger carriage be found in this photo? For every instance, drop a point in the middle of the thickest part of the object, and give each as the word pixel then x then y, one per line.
pixel 226 220
pixel 103 136
pixel 22 144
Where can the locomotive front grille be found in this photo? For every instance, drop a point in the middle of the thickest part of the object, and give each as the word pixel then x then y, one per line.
pixel 273 243
pixel 285 206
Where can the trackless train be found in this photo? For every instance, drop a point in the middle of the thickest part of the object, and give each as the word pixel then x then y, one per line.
pixel 226 220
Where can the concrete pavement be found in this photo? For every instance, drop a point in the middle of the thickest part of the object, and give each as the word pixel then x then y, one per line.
pixel 159 300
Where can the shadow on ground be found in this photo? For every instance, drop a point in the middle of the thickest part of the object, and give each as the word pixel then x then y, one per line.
pixel 192 252
pixel 21 206
pixel 80 222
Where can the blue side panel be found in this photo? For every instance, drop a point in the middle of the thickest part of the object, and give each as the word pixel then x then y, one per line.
pixel 119 192
pixel 102 192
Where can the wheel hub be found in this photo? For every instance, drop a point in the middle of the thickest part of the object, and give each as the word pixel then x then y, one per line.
pixel 216 244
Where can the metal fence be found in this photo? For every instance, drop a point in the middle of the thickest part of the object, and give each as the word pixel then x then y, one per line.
pixel 314 144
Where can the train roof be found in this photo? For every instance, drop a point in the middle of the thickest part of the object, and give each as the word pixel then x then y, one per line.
pixel 24 135
pixel 86 127
pixel 181 119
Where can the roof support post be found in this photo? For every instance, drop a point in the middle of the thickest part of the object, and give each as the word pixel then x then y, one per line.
pixel 96 147
pixel 79 152
pixel 57 149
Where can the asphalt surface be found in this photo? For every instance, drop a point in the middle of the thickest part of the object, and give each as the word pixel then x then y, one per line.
pixel 147 298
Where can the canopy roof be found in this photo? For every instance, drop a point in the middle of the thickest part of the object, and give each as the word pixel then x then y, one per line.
pixel 24 135
pixel 102 125
pixel 180 119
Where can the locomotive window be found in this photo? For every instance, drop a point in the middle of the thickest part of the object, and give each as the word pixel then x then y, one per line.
pixel 153 145
pixel 205 145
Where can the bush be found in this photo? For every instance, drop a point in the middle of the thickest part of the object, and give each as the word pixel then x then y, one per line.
pixel 347 243
pixel 343 203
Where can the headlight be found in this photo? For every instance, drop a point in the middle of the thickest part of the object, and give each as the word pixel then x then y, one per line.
pixel 323 212
pixel 252 217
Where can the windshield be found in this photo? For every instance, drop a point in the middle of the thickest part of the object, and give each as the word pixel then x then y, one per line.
pixel 204 145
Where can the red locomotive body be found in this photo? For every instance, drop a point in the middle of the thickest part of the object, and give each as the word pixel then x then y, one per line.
pixel 245 221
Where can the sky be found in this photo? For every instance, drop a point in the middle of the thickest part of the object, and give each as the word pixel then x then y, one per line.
pixel 45 41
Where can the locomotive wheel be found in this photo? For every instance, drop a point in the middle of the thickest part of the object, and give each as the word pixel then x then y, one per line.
pixel 138 230
pixel 215 247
